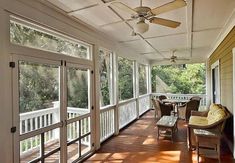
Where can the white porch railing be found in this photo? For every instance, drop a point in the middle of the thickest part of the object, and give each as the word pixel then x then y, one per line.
pixel 127 112
pixel 107 127
pixel 144 104
pixel 34 120
pixel 203 103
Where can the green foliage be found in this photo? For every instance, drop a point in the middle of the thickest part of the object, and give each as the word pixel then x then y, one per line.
pixel 142 79
pixel 104 68
pixel 180 79
pixel 77 88
pixel 30 37
pixel 38 86
pixel 125 78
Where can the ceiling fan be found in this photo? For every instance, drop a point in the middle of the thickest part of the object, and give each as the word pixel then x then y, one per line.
pixel 174 58
pixel 143 13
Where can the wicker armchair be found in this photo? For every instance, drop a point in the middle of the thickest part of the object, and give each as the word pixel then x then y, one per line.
pixel 217 125
pixel 192 98
pixel 185 111
pixel 162 97
pixel 196 98
pixel 161 109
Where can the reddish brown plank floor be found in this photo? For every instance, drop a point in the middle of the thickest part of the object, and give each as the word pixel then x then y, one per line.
pixel 138 143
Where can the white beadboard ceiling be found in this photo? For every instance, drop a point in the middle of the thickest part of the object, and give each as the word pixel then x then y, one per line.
pixel 201 23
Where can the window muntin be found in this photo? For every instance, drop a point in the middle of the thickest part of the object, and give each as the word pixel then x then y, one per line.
pixel 142 69
pixel 105 68
pixel 125 78
pixel 28 36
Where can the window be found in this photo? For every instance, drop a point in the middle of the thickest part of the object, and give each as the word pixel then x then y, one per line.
pixel 179 79
pixel 142 79
pixel 37 38
pixel 215 82
pixel 125 79
pixel 105 67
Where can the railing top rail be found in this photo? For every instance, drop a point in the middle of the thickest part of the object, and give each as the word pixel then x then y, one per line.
pixel 145 95
pixel 127 101
pixel 78 118
pixel 107 108
pixel 172 94
pixel 37 112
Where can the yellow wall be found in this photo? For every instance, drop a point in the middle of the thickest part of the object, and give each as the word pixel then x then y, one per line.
pixel 224 53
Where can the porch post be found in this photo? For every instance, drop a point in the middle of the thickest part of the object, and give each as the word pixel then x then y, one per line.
pixel 136 88
pixel 115 94
pixel 96 97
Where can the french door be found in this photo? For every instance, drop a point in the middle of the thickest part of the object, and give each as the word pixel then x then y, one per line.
pixel 51 110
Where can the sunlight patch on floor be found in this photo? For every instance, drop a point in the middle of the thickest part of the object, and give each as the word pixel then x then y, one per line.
pixel 150 140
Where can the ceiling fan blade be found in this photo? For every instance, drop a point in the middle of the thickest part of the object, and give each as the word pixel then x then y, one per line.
pixel 164 22
pixel 123 7
pixel 168 7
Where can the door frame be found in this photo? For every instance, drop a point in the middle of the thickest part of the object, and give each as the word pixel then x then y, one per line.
pixel 215 64
pixel 62 124
pixel 16 118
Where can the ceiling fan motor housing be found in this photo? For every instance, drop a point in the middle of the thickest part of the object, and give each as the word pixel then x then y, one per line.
pixel 142 12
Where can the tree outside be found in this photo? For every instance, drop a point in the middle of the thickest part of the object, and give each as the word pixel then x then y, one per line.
pixel 142 79
pixel 105 77
pixel 179 79
pixel 125 79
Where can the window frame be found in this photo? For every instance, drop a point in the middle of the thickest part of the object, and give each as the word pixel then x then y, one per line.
pixel 111 77
pixel 52 32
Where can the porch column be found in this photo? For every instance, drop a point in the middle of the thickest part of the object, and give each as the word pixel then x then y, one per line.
pixel 96 102
pixel 115 94
pixel 136 88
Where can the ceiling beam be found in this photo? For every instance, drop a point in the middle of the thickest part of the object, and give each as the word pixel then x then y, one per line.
pixel 189 22
pixel 98 3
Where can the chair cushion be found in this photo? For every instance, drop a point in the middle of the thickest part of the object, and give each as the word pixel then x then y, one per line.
pixel 198 120
pixel 215 114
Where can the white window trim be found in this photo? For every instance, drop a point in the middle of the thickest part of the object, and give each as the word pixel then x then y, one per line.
pixel 215 64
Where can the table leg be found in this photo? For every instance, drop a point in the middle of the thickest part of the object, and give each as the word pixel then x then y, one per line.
pixel 197 150
pixel 158 133
pixel 218 149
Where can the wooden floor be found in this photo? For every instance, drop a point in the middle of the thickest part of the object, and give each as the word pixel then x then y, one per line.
pixel 138 143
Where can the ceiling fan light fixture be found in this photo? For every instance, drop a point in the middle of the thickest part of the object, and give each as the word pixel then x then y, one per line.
pixel 141 27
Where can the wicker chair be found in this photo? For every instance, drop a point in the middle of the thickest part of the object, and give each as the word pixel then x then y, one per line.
pixel 161 109
pixel 162 97
pixel 185 111
pixel 192 98
pixel 218 125
pixel 196 98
